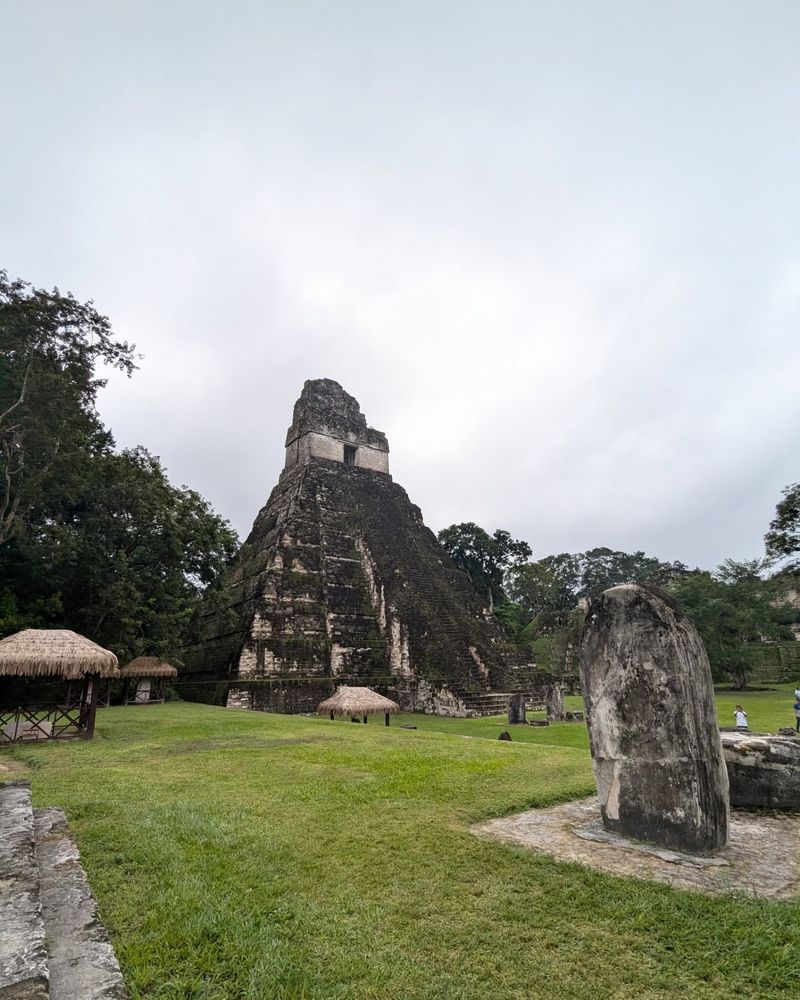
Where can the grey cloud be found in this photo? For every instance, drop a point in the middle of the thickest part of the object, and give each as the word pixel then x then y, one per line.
pixel 552 249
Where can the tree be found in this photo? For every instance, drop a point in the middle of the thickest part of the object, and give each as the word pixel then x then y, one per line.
pixel 550 584
pixel 125 561
pixel 554 639
pixel 603 568
pixel 732 608
pixel 91 540
pixel 548 591
pixel 556 583
pixel 485 558
pixel 783 538
pixel 50 346
pixel 512 617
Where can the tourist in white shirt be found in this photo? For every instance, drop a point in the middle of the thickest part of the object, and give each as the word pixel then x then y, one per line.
pixel 741 717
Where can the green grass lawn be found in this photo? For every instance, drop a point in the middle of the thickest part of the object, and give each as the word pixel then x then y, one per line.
pixel 241 856
pixel 565 734
pixel 767 711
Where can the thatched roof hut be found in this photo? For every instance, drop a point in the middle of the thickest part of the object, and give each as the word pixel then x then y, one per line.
pixel 148 666
pixel 41 652
pixel 141 672
pixel 357 701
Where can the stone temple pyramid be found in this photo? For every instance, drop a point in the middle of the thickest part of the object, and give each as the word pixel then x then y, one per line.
pixel 340 581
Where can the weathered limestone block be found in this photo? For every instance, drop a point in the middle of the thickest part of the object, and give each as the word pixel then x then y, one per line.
pixel 516 709
pixel 81 958
pixel 764 771
pixel 23 956
pixel 656 749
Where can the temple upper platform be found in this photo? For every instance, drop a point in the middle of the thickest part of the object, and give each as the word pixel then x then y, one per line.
pixel 328 424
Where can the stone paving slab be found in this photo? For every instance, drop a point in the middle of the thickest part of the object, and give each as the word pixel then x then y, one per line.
pixel 83 965
pixel 23 958
pixel 762 857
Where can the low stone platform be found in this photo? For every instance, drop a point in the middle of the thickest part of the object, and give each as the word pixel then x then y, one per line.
pixel 23 957
pixel 762 857
pixel 81 958
pixel 763 770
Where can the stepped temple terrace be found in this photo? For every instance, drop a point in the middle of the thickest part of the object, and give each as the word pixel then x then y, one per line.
pixel 340 582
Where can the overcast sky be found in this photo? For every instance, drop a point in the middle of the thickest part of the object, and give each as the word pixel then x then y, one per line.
pixel 552 248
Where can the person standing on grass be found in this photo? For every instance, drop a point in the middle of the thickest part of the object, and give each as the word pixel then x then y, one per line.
pixel 741 717
pixel 797 711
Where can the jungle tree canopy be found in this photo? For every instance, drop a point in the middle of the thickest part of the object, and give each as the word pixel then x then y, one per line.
pixel 484 557
pixel 92 540
pixel 783 538
pixel 50 348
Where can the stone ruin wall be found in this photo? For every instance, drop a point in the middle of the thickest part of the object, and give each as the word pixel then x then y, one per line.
pixel 324 446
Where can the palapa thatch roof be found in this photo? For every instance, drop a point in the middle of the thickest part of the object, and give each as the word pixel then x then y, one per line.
pixel 148 666
pixel 54 652
pixel 357 701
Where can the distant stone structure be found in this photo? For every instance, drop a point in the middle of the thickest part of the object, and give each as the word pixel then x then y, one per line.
pixel 340 582
pixel 655 744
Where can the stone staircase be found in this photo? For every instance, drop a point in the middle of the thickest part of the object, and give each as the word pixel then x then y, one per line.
pixel 352 621
pixel 52 943
pixel 495 703
pixel 486 703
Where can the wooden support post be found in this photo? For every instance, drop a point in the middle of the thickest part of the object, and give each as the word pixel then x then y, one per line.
pixel 83 706
pixel 94 683
pixel 386 718
pixel 331 716
pixel 365 720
